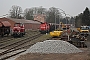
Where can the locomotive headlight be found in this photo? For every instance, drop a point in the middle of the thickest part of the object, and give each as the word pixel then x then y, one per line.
pixel 19 31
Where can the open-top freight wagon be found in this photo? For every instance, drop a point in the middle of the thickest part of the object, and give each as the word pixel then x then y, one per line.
pixel 4 28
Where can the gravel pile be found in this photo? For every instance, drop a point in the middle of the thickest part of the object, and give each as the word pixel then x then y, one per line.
pixel 53 46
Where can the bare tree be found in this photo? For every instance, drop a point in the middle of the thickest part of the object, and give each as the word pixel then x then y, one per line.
pixel 53 14
pixel 30 12
pixel 15 11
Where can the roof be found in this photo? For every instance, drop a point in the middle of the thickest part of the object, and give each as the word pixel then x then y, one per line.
pixel 0 24
pixel 24 21
pixel 5 23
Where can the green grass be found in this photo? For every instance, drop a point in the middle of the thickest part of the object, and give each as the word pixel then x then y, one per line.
pixel 41 38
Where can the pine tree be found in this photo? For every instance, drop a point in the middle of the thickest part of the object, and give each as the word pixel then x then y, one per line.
pixel 86 17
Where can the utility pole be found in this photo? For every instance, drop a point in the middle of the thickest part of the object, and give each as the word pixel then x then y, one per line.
pixel 65 17
pixel 55 20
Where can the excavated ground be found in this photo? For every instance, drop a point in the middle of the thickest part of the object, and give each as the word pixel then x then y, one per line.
pixel 75 56
pixel 85 55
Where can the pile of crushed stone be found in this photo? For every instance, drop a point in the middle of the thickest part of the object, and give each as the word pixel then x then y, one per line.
pixel 53 46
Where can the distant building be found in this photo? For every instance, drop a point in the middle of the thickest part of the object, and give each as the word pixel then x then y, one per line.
pixel 39 17
pixel 29 24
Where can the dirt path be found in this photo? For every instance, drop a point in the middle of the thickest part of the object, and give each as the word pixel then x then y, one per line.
pixel 76 56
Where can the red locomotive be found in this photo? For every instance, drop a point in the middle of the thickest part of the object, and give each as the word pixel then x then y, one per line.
pixel 18 30
pixel 46 27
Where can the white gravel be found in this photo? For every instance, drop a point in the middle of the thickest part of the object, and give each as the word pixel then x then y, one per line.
pixel 53 46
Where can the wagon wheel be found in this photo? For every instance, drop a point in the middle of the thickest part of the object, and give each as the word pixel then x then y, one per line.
pixel 2 34
pixel 8 34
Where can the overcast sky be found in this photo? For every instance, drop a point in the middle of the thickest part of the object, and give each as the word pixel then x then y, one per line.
pixel 71 7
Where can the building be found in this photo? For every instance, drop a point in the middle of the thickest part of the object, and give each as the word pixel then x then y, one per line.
pixel 29 24
pixel 39 17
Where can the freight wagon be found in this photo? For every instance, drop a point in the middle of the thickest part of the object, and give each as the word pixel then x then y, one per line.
pixel 4 28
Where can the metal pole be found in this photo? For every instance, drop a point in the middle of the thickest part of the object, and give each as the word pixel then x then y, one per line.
pixel 66 24
pixel 66 19
pixel 55 20
pixel 59 21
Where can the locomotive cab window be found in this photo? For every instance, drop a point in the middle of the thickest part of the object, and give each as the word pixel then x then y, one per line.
pixel 16 25
pixel 21 24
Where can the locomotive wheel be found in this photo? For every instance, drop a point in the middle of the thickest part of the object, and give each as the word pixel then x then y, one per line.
pixel 21 35
pixel 7 34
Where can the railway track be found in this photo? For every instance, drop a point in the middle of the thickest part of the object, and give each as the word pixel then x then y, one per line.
pixel 7 41
pixel 17 46
pixel 12 41
pixel 10 45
